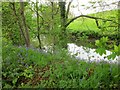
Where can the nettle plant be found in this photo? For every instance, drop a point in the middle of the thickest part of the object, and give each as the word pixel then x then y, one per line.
pixel 102 46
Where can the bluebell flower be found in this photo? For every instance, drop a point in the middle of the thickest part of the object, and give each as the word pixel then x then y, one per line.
pixel 26 54
pixel 26 65
pixel 27 48
pixel 81 79
pixel 18 61
pixel 22 62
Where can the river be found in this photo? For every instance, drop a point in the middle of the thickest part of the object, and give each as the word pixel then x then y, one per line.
pixel 89 55
pixel 82 53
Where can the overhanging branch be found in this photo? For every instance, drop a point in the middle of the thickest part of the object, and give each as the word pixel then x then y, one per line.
pixel 92 17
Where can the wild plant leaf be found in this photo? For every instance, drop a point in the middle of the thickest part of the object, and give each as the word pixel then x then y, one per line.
pixel 97 42
pixel 115 48
pixel 112 56
pixel 101 51
pixel 104 39
pixel 14 80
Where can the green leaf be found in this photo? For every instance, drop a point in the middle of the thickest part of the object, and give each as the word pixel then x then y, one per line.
pixel 104 39
pixel 112 56
pixel 101 51
pixel 97 42
pixel 14 80
pixel 115 48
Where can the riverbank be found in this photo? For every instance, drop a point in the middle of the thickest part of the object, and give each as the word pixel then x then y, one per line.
pixel 28 68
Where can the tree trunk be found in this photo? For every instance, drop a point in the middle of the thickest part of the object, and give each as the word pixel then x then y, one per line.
pixel 18 21
pixel 118 24
pixel 52 16
pixel 38 27
pixel 63 23
pixel 24 24
pixel 63 16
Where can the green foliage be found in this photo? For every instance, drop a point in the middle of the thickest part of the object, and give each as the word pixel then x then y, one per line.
pixel 16 67
pixel 30 68
pixel 90 24
pixel 23 67
pixel 115 52
pixel 10 27
pixel 84 37
pixel 83 24
pixel 106 28
pixel 117 49
pixel 101 44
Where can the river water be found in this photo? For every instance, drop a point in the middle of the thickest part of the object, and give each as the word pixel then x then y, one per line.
pixel 89 55
pixel 82 53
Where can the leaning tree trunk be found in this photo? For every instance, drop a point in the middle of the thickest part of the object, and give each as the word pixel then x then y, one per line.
pixel 24 24
pixel 12 6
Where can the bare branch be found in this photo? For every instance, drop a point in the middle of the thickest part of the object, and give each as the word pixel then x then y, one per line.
pixel 68 8
pixel 38 13
pixel 97 23
pixel 96 18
